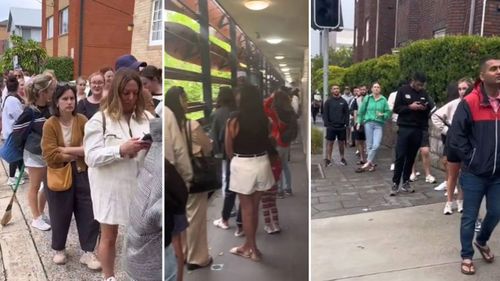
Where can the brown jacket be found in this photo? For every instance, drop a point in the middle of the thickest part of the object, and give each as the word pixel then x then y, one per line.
pixel 52 139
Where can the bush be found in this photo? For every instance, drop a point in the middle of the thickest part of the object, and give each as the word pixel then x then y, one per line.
pixel 316 141
pixel 62 66
pixel 447 59
pixel 384 69
pixel 335 76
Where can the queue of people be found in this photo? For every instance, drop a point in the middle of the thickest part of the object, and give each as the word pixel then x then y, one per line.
pixel 75 144
pixel 252 167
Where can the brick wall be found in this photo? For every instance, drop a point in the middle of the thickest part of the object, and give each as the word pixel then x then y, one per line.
pixel 141 35
pixel 387 17
pixel 492 18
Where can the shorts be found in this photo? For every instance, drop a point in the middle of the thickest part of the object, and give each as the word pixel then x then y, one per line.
pixel 180 224
pixel 251 174
pixel 451 155
pixel 33 160
pixel 359 135
pixel 332 134
pixel 425 139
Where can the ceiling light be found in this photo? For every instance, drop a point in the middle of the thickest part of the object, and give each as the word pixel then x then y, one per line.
pixel 282 64
pixel 279 57
pixel 256 5
pixel 285 69
pixel 274 41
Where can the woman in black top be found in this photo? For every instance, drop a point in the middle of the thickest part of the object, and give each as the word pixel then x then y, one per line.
pixel 246 142
pixel 90 105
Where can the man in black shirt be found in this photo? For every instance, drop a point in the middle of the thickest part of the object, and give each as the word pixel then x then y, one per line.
pixel 413 106
pixel 336 120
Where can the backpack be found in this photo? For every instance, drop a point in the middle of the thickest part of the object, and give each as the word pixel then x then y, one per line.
pixel 291 130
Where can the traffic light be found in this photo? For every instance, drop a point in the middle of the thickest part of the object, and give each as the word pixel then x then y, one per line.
pixel 326 14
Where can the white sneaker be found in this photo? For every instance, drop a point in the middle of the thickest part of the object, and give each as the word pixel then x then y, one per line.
pixel 220 224
pixel 46 218
pixel 112 278
pixel 460 206
pixel 60 257
pixel 417 174
pixel 448 208
pixel 413 177
pixel 392 167
pixel 13 180
pixel 276 228
pixel 40 224
pixel 268 229
pixel 441 186
pixel 89 259
pixel 430 179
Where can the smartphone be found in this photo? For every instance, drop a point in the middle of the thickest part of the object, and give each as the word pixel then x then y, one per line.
pixel 147 137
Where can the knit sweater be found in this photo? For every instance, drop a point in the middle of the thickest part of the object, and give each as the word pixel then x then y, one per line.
pixel 52 139
pixel 144 232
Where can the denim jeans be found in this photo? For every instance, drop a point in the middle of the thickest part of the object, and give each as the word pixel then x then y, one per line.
pixel 373 132
pixel 170 264
pixel 285 175
pixel 475 188
pixel 229 196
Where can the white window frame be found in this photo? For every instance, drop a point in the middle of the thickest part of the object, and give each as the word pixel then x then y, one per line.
pixel 61 21
pixel 439 33
pixel 50 27
pixel 159 21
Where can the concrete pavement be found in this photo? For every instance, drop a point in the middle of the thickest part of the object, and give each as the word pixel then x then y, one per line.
pixel 25 252
pixel 285 255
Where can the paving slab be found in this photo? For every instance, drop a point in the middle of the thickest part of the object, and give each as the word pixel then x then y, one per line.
pixel 414 243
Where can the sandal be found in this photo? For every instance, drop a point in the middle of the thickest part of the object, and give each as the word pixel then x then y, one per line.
pixel 359 170
pixel 237 251
pixel 193 266
pixel 371 168
pixel 255 256
pixel 485 252
pixel 468 268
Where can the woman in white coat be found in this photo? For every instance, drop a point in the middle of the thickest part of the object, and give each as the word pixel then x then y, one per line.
pixel 114 153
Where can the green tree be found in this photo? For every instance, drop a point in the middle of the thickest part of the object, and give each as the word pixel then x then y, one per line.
pixel 341 57
pixel 31 56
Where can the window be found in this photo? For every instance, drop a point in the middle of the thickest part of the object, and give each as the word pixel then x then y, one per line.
pixel 63 21
pixel 355 36
pixel 50 27
pixel 439 33
pixel 367 29
pixel 156 22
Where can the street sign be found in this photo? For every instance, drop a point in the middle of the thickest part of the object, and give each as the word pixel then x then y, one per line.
pixel 326 14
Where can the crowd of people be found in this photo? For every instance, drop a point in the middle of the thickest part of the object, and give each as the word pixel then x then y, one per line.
pixel 468 124
pixel 249 136
pixel 92 154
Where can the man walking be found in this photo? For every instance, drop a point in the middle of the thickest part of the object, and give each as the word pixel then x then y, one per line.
pixel 348 97
pixel 476 139
pixel 413 106
pixel 336 120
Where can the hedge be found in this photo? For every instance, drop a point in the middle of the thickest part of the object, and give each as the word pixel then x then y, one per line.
pixel 384 69
pixel 443 60
pixel 62 66
pixel 447 59
pixel 335 76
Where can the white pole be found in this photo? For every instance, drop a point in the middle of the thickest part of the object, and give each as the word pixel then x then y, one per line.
pixel 482 20
pixel 471 17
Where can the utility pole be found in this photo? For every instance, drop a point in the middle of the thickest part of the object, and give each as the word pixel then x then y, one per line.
pixel 324 50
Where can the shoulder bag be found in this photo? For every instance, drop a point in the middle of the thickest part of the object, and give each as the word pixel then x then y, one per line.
pixel 205 177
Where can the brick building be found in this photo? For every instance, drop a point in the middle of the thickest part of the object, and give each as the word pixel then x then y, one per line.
pixel 147 37
pixel 93 32
pixel 4 36
pixel 403 21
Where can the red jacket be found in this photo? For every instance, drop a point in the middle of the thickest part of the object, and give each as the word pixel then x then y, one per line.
pixel 277 127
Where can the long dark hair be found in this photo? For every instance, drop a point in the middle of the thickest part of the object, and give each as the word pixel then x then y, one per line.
pixel 173 102
pixel 252 117
pixel 282 104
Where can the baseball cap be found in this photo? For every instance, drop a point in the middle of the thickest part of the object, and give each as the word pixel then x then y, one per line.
pixel 128 61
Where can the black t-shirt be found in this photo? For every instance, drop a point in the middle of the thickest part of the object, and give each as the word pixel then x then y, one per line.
pixel 251 138
pixel 412 118
pixel 87 108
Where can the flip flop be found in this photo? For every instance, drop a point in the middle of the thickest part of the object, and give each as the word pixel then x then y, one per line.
pixel 255 256
pixel 237 251
pixel 469 268
pixel 485 252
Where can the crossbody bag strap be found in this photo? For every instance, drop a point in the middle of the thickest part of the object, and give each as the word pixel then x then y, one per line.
pixel 187 127
pixel 103 123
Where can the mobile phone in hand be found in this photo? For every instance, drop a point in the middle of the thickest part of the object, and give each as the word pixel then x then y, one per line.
pixel 147 137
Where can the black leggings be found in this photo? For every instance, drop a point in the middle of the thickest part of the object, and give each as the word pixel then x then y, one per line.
pixel 14 166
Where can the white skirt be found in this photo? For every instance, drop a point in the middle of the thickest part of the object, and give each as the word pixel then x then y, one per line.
pixel 33 160
pixel 250 174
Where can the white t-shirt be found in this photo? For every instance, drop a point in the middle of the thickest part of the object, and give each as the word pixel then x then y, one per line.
pixel 390 101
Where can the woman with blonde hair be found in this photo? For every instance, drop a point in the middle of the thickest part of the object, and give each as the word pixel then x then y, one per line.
pixel 90 105
pixel 114 154
pixel 62 145
pixel 33 118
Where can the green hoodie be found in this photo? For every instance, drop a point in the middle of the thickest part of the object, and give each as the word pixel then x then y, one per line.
pixel 370 107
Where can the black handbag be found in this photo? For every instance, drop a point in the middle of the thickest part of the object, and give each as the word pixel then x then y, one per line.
pixel 205 176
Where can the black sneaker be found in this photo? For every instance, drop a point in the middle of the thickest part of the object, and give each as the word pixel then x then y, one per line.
pixel 343 162
pixel 394 189
pixel 328 163
pixel 406 187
